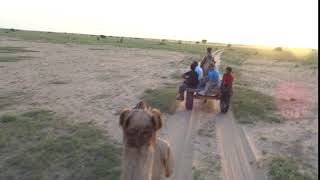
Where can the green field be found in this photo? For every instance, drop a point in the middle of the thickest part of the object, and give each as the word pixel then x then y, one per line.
pixel 39 145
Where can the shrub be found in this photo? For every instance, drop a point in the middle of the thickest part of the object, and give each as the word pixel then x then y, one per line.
pixel 7 118
pixel 162 42
pixel 197 42
pixel 179 42
pixel 228 45
pixel 162 98
pixel 102 36
pixel 204 41
pixel 278 49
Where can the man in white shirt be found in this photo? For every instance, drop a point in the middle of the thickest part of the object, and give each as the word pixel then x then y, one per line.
pixel 199 71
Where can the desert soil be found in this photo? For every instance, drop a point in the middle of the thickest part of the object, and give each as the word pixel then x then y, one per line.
pixel 295 89
pixel 88 83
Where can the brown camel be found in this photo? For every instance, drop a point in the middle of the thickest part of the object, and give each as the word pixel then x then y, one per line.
pixel 145 156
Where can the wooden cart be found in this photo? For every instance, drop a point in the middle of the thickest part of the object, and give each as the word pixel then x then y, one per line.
pixel 194 94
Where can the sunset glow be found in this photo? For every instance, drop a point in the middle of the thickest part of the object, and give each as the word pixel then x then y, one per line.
pixel 288 23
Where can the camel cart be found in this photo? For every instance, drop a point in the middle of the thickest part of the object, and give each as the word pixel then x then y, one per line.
pixel 194 94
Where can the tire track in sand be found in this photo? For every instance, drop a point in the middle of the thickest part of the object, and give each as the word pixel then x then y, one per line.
pixel 238 159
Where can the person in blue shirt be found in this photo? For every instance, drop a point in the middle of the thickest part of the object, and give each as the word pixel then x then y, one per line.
pixel 213 73
pixel 213 84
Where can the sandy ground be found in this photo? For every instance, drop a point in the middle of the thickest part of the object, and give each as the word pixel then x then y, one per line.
pixel 93 83
pixel 295 89
pixel 82 82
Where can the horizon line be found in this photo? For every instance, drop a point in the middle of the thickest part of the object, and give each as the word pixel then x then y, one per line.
pixel 168 39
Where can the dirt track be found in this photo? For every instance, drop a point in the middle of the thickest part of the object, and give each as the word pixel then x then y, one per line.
pixel 238 160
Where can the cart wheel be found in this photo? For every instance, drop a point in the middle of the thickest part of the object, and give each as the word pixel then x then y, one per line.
pixel 223 107
pixel 189 100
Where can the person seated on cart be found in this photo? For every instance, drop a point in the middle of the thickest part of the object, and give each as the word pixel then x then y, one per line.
pixel 191 81
pixel 201 79
pixel 212 87
pixel 207 60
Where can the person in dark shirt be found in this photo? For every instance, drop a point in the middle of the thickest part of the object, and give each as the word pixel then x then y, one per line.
pixel 191 81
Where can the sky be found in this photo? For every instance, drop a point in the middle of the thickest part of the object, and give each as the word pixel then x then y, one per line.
pixel 288 23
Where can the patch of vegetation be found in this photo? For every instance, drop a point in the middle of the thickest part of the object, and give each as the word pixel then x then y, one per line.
pixel 197 175
pixel 7 118
pixel 285 168
pixel 40 145
pixel 14 58
pixel 121 40
pixel 97 49
pixel 14 50
pixel 278 49
pixel 59 82
pixel 250 106
pixel 163 98
pixel 206 132
pixel 311 58
pixel 162 42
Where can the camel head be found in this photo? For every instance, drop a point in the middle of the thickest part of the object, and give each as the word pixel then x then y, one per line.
pixel 140 124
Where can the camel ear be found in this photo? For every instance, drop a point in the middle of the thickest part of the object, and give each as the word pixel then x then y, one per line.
pixel 142 105
pixel 124 118
pixel 156 118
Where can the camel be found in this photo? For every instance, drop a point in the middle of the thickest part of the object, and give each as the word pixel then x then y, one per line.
pixel 145 156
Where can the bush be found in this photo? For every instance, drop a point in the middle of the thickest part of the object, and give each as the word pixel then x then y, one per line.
pixel 121 40
pixel 228 45
pixel 162 42
pixel 278 49
pixel 197 42
pixel 102 36
pixel 204 41
pixel 8 118
pixel 162 98
pixel 179 42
